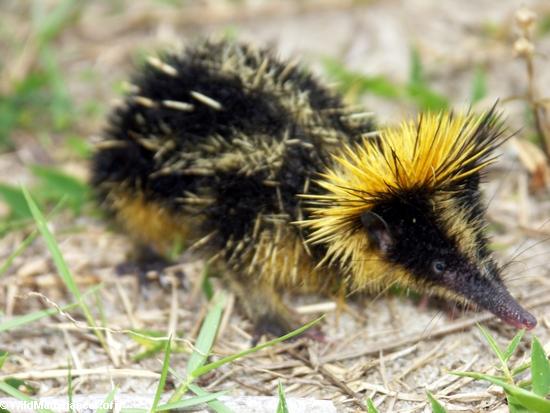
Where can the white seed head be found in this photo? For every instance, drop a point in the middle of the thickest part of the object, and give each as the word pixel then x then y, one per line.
pixel 525 18
pixel 523 48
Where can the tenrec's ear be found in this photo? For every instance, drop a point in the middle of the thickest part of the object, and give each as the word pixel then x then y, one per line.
pixel 377 231
pixel 472 182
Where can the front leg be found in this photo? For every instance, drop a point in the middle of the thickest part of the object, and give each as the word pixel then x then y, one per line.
pixel 148 264
pixel 263 306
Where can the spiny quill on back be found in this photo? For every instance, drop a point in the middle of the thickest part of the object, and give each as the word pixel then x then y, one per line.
pixel 253 162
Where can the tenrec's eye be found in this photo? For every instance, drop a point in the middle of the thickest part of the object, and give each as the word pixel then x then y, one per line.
pixel 438 266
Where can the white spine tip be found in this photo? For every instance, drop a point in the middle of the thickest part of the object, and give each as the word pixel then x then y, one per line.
pixel 372 134
pixel 359 115
pixel 208 101
pixel 174 104
pixel 143 101
pixel 161 66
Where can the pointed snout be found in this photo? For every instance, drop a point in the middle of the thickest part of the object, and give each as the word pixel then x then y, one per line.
pixel 492 295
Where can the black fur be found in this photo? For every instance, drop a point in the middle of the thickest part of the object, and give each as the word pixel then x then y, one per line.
pixel 419 240
pixel 416 241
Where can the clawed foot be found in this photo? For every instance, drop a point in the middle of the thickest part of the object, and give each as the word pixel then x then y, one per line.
pixel 149 266
pixel 274 326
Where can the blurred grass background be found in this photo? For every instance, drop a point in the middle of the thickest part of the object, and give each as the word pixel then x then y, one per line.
pixel 54 92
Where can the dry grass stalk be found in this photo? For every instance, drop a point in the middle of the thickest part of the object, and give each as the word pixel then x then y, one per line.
pixel 524 48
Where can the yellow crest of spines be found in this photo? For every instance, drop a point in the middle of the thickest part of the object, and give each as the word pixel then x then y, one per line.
pixel 434 152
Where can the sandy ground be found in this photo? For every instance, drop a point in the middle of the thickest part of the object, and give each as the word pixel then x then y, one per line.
pixel 387 347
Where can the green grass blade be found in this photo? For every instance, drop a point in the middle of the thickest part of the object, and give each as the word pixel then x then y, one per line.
pixel 53 23
pixel 543 27
pixel 9 117
pixel 3 357
pixel 147 338
pixel 206 285
pixel 207 335
pixel 203 345
pixel 21 385
pixel 281 406
pixel 209 367
pixel 531 401
pixel 153 342
pixel 57 257
pixel 15 200
pixel 163 374
pixel 150 352
pixel 215 405
pixel 540 369
pixel 494 346
pixel 359 83
pixel 436 406
pixel 520 369
pixel 416 72
pixel 418 89
pixel 20 321
pixel 479 85
pixel 427 99
pixel 18 251
pixel 379 86
pixel 375 85
pixel 514 406
pixel 107 404
pixel 79 146
pixel 27 241
pixel 190 402
pixel 371 408
pixel 13 392
pixel 61 265
pixel 56 184
pixel 511 349
pixel 13 224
